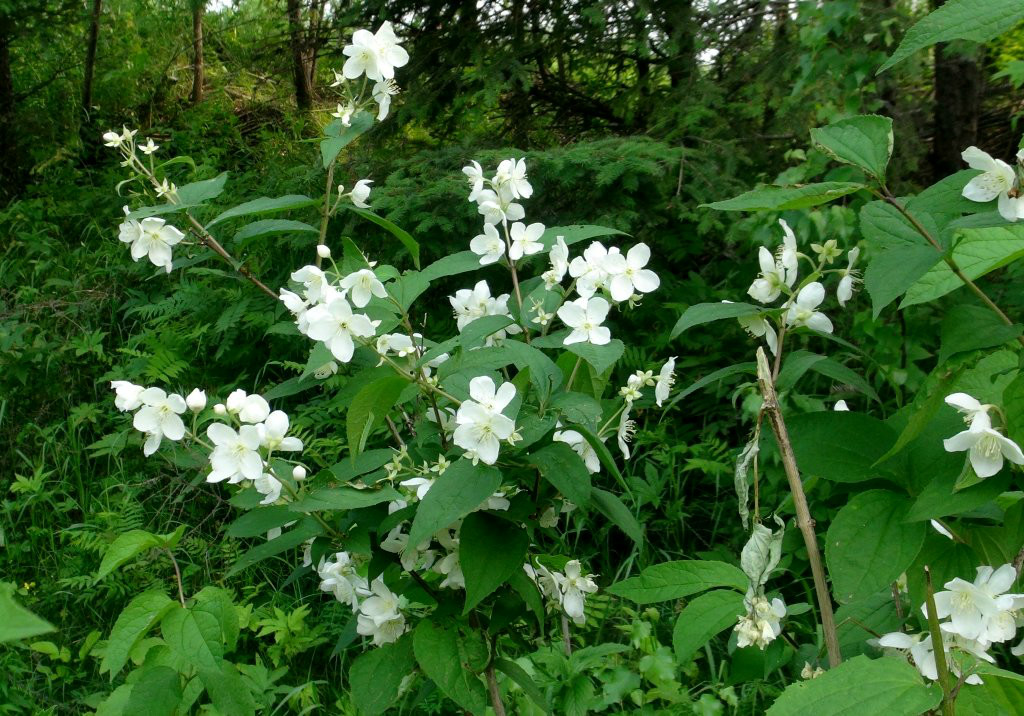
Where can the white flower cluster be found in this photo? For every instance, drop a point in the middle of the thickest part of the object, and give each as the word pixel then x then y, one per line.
pixel 374 55
pixel 778 275
pixel 237 456
pixel 480 423
pixel 985 445
pixel 469 304
pixel 378 610
pixel 978 615
pixel 633 390
pixel 762 622
pixel 568 590
pixel 998 180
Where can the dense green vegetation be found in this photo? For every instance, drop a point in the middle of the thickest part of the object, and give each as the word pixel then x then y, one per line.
pixel 630 116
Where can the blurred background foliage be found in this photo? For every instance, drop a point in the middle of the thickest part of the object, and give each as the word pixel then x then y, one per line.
pixel 630 115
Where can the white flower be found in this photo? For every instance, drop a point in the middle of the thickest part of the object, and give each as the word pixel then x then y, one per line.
pixel 574 587
pixel 361 192
pixel 850 277
pixel 545 581
pixel 151 237
pixel 666 378
pixel 496 208
pixel 380 615
pixel 127 395
pixel 248 408
pixel 344 113
pixel 758 327
pixel 979 611
pixel 628 275
pixel 419 485
pixel 341 579
pixel 525 240
pixel 582 447
pixel 364 57
pixel 589 269
pixel 449 564
pixel 315 282
pixel 111 139
pixel 335 325
pixel 841 406
pixel 585 316
pixel 987 446
pixel 148 147
pixel 361 285
pixel 768 286
pixel 475 174
pixel 971 407
pixel 923 655
pixel 480 425
pixel 559 257
pixel 166 188
pixel 391 54
pixel 512 174
pixel 626 431
pixel 273 433
pixel 382 94
pixel 196 400
pixel 996 180
pixel 235 456
pixel 788 258
pixel 941 529
pixel 471 304
pixel 159 417
pixel 801 312
pixel 761 624
pixel 269 486
pixel 489 246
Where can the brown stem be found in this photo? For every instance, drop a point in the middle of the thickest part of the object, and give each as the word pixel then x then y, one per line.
pixel 207 240
pixel 394 431
pixel 803 514
pixel 953 266
pixel 1018 561
pixel 177 577
pixel 328 192
pixel 565 635
pixel 495 692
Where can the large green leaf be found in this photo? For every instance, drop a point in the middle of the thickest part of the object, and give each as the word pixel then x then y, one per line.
pixel 702 313
pixel 267 227
pixel 265 205
pixel 864 141
pixel 339 136
pixel 491 550
pixel 462 488
pixel 228 690
pixel 344 498
pixel 841 446
pixel 17 622
pixel 600 357
pixel 868 545
pixel 674 580
pixel 447 658
pixel 702 618
pixel 130 545
pixel 977 20
pixel 369 407
pixel 560 465
pixel 609 505
pixel 410 244
pixel 969 328
pixel 142 614
pixel 376 676
pixel 979 251
pixel 260 520
pixel 201 191
pixel 288 540
pixel 781 198
pixel 194 636
pixel 860 687
pixel 156 692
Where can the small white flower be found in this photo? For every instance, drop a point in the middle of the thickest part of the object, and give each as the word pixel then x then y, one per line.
pixel 273 433
pixel 581 446
pixel 585 316
pixel 768 285
pixel 361 192
pixel 127 395
pixel 380 615
pixel 361 285
pixel 574 587
pixel 759 327
pixel 298 472
pixel 235 456
pixel 335 325
pixel 512 174
pixel 420 486
pixel 802 311
pixel 268 486
pixel 850 277
pixel 589 269
pixel 997 180
pixel 152 237
pixel 344 113
pixel 971 407
pixel 148 147
pixel 340 577
pixel 628 275
pixel 525 240
pixel 382 94
pixel 665 381
pixel 315 282
pixel 480 425
pixel 159 417
pixel 475 174
pixel 976 611
pixel 364 57
pixel 323 251
pixel 841 406
pixel 489 246
pixel 987 447
pixel 111 139
pixel 248 408
pixel 761 624
pixel 626 431
pixel 196 400
pixel 496 208
pixel 559 257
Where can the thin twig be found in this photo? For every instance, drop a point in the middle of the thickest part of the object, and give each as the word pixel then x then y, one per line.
pixel 324 220
pixel 495 692
pixel 177 577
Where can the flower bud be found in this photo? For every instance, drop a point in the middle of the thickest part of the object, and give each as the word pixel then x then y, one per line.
pixel 196 400
pixel 323 251
pixel 299 472
pixel 220 409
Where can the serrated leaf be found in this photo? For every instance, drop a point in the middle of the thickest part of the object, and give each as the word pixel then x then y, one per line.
pixel 462 488
pixel 702 618
pixel 491 550
pixel 842 446
pixel 969 328
pixel 142 614
pixel 601 358
pixel 865 141
pixel 674 580
pixel 156 692
pixel 339 136
pixel 560 465
pixel 376 675
pixel 442 654
pixel 781 198
pixel 125 548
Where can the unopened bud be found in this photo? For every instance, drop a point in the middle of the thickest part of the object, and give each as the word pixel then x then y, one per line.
pixel 299 472
pixel 219 409
pixel 196 400
pixel 323 251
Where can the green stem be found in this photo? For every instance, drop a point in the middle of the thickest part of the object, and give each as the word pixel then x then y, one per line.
pixel 938 648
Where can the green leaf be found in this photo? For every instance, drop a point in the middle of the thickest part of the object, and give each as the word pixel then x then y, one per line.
pixel 898 254
pixel 267 227
pixel 861 620
pixel 702 618
pixel 600 357
pixel 259 521
pixel 864 141
pixel 781 198
pixel 266 205
pixel 228 690
pixel 376 675
pixel 156 692
pixel 458 491
pixel 339 136
pixel 940 498
pixel 194 636
pixel 410 244
pixel 125 548
pixel 977 20
pixel 17 622
pixel 523 679
pixel 617 513
pixel 478 330
pixel 491 550
pixel 142 614
pixel 446 658
pixel 869 545
pixel 577 408
pixel 288 540
pixel 365 462
pixel 707 312
pixel 969 328
pixel 978 252
pixel 674 580
pixel 343 498
pixel 714 377
pixel 218 603
pixel 841 446
pixel 369 407
pixel 198 192
pixel 451 265
pixel 560 465
pixel 860 686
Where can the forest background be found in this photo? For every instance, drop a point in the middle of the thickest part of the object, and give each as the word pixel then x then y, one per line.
pixel 630 114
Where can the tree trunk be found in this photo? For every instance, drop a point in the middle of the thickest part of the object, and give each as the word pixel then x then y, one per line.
pixel 303 91
pixel 198 8
pixel 682 65
pixel 90 55
pixel 959 86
